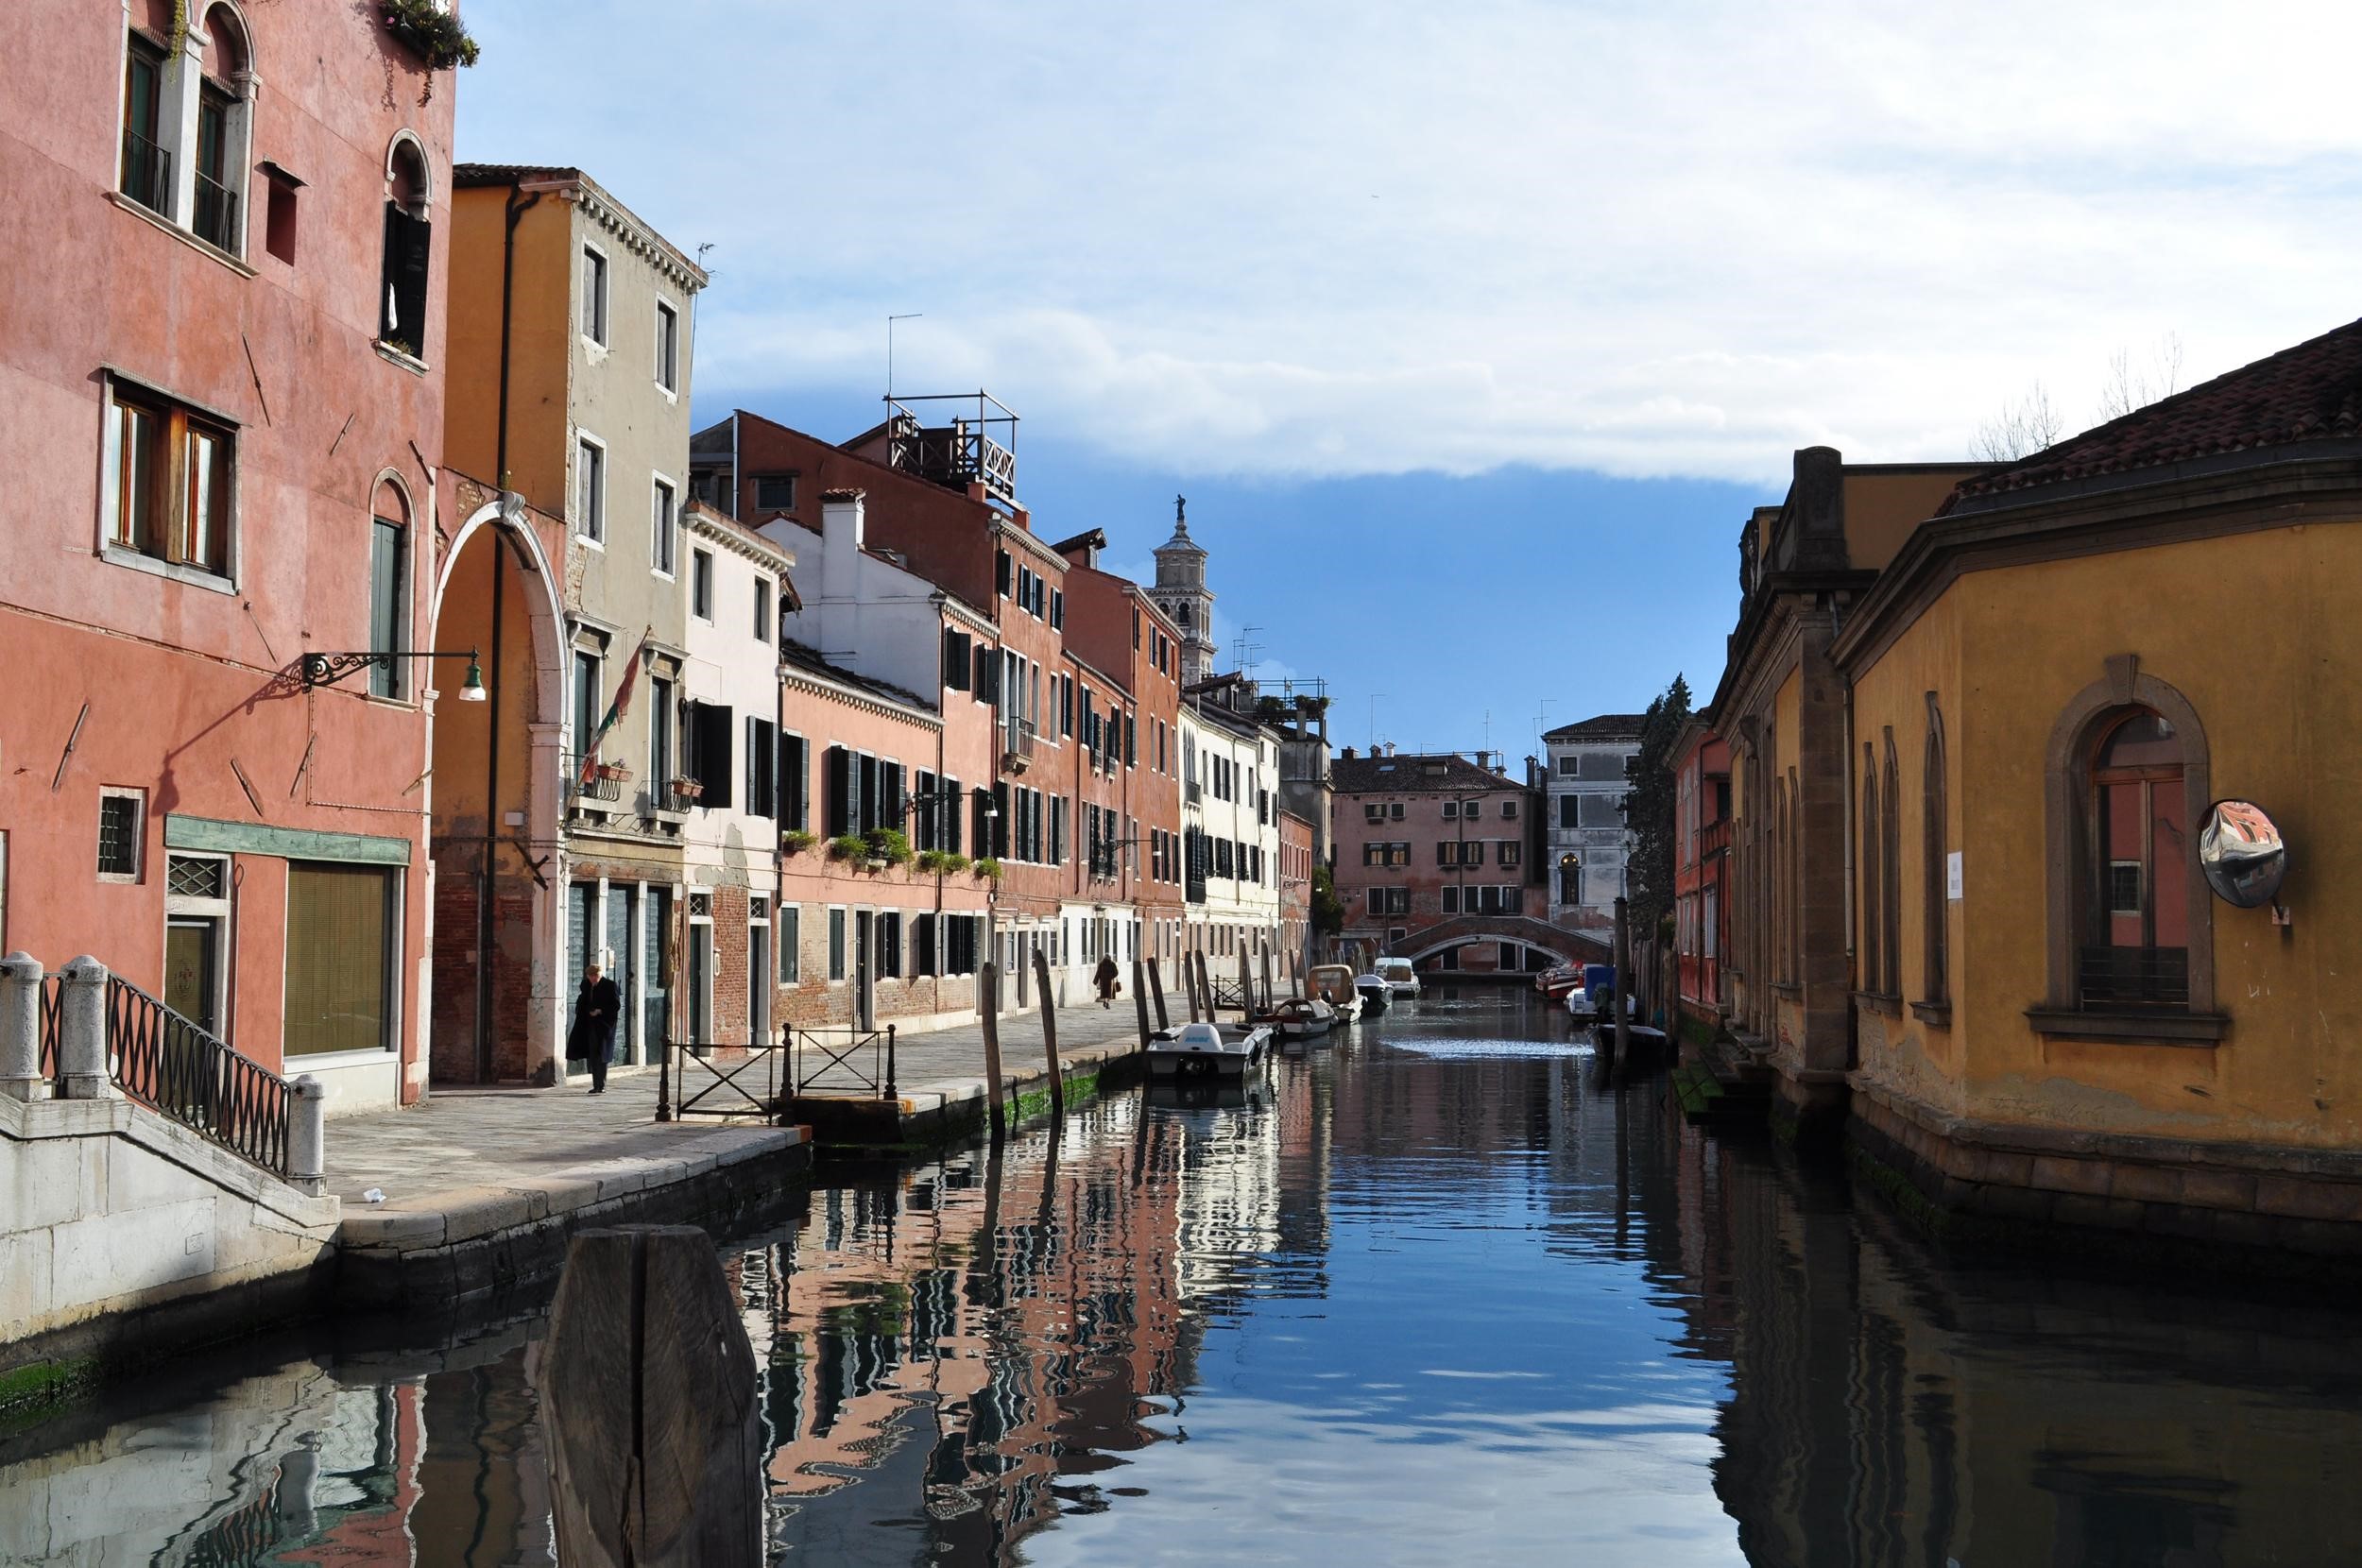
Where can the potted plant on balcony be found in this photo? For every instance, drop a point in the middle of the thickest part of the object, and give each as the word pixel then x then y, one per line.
pixel 942 862
pixel 849 846
pixel 988 868
pixel 794 841
pixel 686 793
pixel 433 30
pixel 618 773
pixel 887 846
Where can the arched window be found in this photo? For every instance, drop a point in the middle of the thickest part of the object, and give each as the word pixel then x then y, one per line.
pixel 1891 875
pixel 1570 878
pixel 409 243
pixel 224 131
pixel 1934 871
pixel 1867 970
pixel 2130 922
pixel 2135 932
pixel 389 588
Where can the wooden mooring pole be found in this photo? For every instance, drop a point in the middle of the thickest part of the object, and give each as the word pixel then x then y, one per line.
pixel 1192 967
pixel 1050 1035
pixel 1623 985
pixel 989 981
pixel 647 1391
pixel 1157 983
pixel 1266 954
pixel 1139 998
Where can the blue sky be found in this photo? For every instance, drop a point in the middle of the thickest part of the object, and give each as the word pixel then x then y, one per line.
pixel 1471 332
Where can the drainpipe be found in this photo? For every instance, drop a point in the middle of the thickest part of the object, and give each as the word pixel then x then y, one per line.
pixel 487 955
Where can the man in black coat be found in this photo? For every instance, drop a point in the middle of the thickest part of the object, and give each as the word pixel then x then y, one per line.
pixel 596 1008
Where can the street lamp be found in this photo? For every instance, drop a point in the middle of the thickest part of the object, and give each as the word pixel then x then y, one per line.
pixel 328 668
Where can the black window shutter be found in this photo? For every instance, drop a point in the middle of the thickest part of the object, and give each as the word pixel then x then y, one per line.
pixel 890 794
pixel 988 674
pixel 1001 822
pixel 1001 571
pixel 951 824
pixel 958 656
pixel 720 736
pixel 762 756
pixel 794 808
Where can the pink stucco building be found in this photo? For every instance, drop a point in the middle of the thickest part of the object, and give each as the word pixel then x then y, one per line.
pixel 219 348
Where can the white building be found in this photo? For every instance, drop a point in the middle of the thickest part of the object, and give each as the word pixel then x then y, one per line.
pixel 1589 763
pixel 1230 834
pixel 734 581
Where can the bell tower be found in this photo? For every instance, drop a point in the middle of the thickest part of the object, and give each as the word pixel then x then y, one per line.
pixel 1180 592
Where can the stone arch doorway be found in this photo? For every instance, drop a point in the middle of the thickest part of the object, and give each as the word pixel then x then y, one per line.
pixel 498 862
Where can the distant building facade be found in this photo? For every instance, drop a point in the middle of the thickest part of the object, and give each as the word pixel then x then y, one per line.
pixel 1428 838
pixel 1588 769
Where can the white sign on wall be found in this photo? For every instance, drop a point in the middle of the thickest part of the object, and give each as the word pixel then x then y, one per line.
pixel 1952 876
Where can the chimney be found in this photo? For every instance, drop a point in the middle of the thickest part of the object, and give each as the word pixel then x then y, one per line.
pixel 843 525
pixel 1390 748
pixel 1348 754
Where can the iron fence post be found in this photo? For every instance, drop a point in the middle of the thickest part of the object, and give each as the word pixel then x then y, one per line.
pixel 664 1074
pixel 889 1085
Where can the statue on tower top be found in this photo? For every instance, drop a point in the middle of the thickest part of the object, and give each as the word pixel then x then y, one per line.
pixel 1181 513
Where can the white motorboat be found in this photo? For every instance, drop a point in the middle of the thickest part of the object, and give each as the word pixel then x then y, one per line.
pixel 1202 1049
pixel 1375 993
pixel 1333 984
pixel 1401 979
pixel 1303 1018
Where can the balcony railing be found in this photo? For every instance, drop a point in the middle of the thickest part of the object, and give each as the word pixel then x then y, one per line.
pixel 600 781
pixel 216 214
pixel 147 172
pixel 1016 746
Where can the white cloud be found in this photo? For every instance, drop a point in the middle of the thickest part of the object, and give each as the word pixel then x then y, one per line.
pixel 1323 237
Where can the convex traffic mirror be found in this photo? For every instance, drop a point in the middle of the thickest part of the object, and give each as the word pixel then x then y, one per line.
pixel 2241 853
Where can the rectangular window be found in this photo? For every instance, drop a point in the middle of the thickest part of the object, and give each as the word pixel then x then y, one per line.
pixel 586 711
pixel 169 481
pixel 660 739
pixel 701 585
pixel 1394 811
pixel 146 167
pixel 593 296
pixel 774 492
pixel 1451 900
pixel 339 959
pixel 790 934
pixel 1512 853
pixel 590 490
pixel 278 214
pixel 836 945
pixel 1451 809
pixel 1509 810
pixel 762 610
pixel 661 528
pixel 1446 852
pixel 794 792
pixel 122 833
pixel 1568 766
pixel 1057 615
pixel 1472 853
pixel 387 575
pixel 890 944
pixel 1570 808
pixel 762 754
pixel 667 347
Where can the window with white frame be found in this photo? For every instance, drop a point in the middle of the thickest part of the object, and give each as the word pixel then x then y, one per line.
pixel 389 597
pixel 701 584
pixel 790 941
pixel 122 833
pixel 662 527
pixel 409 250
pixel 762 610
pixel 667 346
pixel 595 294
pixel 591 489
pixel 196 922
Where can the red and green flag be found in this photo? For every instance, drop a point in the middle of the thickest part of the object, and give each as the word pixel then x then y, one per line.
pixel 615 711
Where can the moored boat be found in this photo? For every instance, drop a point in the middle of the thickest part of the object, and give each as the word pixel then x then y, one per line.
pixel 1333 984
pixel 1201 1050
pixel 1304 1018
pixel 1375 992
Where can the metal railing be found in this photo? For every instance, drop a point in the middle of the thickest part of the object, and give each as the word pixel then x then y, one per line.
pixel 168 1064
pixel 2132 977
pixel 840 1067
pixel 706 1077
pixel 216 214
pixel 1016 740
pixel 147 172
pixel 52 999
pixel 603 781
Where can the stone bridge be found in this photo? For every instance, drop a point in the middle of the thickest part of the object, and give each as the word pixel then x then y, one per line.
pixel 1542 943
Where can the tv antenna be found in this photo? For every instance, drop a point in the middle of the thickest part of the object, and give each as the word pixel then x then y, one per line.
pixel 908 315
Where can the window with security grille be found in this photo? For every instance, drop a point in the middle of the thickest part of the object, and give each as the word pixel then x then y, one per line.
pixel 188 876
pixel 119 835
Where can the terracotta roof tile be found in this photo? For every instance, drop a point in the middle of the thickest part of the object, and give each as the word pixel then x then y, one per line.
pixel 1413 773
pixel 2312 392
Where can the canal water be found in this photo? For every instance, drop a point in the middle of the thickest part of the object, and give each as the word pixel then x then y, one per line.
pixel 1435 1294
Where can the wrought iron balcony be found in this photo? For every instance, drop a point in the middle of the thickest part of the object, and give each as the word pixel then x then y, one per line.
pixel 147 172
pixel 1016 746
pixel 216 214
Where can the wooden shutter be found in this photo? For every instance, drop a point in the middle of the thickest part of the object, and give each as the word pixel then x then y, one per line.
pixel 763 789
pixel 837 781
pixel 408 244
pixel 951 822
pixel 717 736
pixel 959 657
pixel 987 674
pixel 794 806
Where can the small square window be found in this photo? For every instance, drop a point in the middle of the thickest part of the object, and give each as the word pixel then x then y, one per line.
pixel 120 835
pixel 774 492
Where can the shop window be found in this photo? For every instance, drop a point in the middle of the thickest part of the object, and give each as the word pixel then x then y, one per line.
pixel 339 959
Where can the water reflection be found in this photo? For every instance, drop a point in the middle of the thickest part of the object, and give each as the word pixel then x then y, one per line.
pixel 1434 1292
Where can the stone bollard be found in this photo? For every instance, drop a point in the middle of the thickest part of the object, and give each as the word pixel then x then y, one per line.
pixel 82 1032
pixel 20 1028
pixel 307 1134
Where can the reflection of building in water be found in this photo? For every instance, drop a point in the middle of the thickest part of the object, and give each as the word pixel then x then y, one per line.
pixel 957 1332
pixel 1886 1411
pixel 289 1466
pixel 1224 1165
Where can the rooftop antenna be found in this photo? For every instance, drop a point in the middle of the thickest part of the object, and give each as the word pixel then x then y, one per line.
pixel 701 257
pixel 908 315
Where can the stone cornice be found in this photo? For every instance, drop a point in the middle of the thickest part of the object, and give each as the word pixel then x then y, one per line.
pixel 796 677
